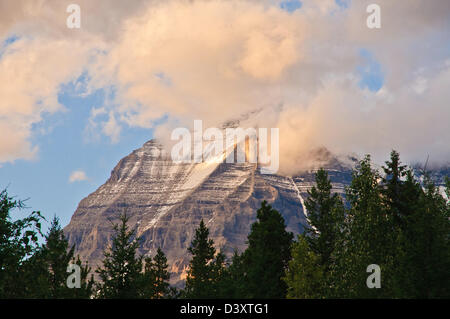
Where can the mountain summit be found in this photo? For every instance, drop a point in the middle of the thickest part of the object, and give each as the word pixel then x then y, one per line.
pixel 166 201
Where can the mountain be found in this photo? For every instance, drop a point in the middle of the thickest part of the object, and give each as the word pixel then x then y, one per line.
pixel 166 201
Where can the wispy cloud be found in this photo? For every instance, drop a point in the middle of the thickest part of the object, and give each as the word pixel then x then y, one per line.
pixel 78 176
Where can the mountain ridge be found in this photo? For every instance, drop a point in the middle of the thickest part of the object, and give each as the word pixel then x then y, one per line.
pixel 166 201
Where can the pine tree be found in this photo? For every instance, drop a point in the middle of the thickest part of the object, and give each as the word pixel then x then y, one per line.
pixel 156 277
pixel 325 216
pixel 52 261
pixel 308 275
pixel 121 272
pixel 232 285
pixel 205 268
pixel 393 189
pixel 267 256
pixel 147 280
pixel 162 276
pixel 58 255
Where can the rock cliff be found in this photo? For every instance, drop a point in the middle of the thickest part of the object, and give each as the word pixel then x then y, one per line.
pixel 166 201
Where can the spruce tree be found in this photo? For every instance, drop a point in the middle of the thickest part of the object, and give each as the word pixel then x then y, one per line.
pixel 48 268
pixel 309 272
pixel 205 268
pixel 156 277
pixel 366 238
pixel 162 276
pixel 267 256
pixel 426 246
pixel 325 216
pixel 392 189
pixel 121 272
pixel 147 280
pixel 55 256
pixel 420 229
pixel 232 285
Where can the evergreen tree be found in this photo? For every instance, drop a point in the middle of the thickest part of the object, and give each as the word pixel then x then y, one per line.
pixel 425 259
pixel 156 277
pixel 58 255
pixel 51 263
pixel 87 283
pixel 205 268
pixel 392 189
pixel 18 242
pixel 121 272
pixel 267 256
pixel 305 274
pixel 162 276
pixel 308 275
pixel 147 280
pixel 420 225
pixel 325 215
pixel 366 238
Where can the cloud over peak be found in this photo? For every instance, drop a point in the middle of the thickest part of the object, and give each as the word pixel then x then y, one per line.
pixel 213 60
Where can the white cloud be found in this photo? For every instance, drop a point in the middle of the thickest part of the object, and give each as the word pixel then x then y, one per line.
pixel 77 176
pixel 31 72
pixel 225 58
pixel 214 60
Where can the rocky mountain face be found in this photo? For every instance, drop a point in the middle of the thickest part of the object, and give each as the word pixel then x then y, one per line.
pixel 166 201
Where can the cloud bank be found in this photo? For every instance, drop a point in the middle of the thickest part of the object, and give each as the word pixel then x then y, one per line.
pixel 215 60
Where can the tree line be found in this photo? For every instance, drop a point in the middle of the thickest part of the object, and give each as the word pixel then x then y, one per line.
pixel 388 219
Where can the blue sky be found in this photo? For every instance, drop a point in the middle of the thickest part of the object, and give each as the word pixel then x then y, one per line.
pixel 64 148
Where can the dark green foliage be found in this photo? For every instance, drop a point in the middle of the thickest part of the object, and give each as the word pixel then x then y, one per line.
pixel 366 238
pixel 18 241
pixel 156 277
pixel 425 247
pixel 393 221
pixel 28 270
pixel 162 276
pixel 325 216
pixel 57 256
pixel 49 267
pixel 205 267
pixel 232 284
pixel 121 272
pixel 267 256
pixel 308 275
pixel 305 274
pixel 86 289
